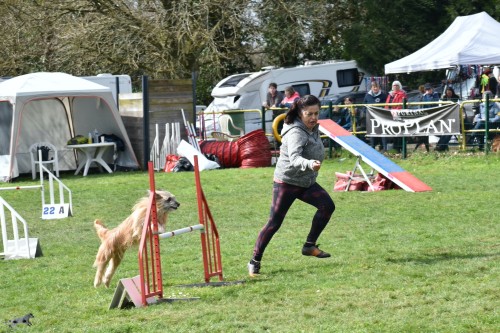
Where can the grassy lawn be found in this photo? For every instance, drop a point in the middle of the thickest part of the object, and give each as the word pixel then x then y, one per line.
pixel 401 262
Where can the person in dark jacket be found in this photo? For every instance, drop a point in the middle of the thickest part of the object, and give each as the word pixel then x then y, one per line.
pixel 273 98
pixel 443 141
pixel 376 96
pixel 301 154
pixel 429 96
pixel 480 118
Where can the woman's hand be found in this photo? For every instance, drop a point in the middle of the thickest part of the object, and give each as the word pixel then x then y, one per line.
pixel 316 165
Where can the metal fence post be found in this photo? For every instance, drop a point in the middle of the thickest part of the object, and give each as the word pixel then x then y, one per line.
pixel 403 141
pixel 145 119
pixel 330 141
pixel 486 122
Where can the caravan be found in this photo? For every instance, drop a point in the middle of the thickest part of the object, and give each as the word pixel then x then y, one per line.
pixel 119 84
pixel 247 91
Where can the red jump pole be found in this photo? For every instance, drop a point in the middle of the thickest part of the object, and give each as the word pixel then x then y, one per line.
pixel 210 245
pixel 150 263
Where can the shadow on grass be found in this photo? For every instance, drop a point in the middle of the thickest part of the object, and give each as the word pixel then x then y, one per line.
pixel 436 258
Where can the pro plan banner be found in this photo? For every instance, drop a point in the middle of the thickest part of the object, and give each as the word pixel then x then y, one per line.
pixel 439 120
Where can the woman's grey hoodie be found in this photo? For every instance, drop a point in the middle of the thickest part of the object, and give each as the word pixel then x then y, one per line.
pixel 300 147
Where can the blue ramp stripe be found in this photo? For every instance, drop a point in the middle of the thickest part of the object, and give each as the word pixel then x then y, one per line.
pixel 368 153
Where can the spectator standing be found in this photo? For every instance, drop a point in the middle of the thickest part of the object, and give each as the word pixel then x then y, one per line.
pixel 492 83
pixel 290 96
pixel 273 98
pixel 429 96
pixel 396 95
pixel 376 96
pixel 488 81
pixel 480 118
pixel 343 117
pixel 443 141
pixel 301 154
pixel 497 93
pixel 421 89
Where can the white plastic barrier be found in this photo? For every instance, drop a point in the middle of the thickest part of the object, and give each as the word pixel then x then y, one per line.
pixel 51 209
pixel 16 248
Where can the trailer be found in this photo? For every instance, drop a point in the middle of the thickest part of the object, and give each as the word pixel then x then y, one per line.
pixel 119 84
pixel 248 91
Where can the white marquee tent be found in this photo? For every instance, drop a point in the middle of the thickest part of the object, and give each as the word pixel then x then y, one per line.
pixel 54 107
pixel 469 40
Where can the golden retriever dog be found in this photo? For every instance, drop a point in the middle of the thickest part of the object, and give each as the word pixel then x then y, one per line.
pixel 495 145
pixel 116 241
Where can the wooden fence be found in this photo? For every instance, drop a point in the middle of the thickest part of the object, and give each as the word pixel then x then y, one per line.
pixel 166 99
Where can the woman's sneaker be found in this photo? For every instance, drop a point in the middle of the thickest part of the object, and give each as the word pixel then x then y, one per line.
pixel 253 268
pixel 314 251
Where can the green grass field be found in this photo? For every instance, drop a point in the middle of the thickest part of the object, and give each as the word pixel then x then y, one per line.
pixel 401 262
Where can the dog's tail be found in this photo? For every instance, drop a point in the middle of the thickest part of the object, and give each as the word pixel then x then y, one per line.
pixel 101 229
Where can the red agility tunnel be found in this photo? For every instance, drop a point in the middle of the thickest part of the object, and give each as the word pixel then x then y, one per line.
pixel 250 151
pixel 227 152
pixel 255 151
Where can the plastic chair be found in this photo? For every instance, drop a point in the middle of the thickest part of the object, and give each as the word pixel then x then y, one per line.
pixel 224 121
pixel 219 136
pixel 54 162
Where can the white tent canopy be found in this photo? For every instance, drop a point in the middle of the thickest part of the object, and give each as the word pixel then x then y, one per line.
pixel 54 107
pixel 469 40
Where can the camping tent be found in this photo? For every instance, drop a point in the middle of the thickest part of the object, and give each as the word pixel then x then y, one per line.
pixel 54 107
pixel 469 40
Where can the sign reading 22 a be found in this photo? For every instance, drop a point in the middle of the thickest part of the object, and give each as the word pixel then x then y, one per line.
pixel 55 211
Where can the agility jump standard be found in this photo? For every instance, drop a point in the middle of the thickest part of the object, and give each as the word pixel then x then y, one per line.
pixel 147 288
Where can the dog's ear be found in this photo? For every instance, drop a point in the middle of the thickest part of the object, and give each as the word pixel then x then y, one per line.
pixel 159 194
pixel 149 192
pixel 157 190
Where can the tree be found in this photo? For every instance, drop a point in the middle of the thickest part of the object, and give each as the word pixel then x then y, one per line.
pixel 163 39
pixel 216 38
pixel 385 31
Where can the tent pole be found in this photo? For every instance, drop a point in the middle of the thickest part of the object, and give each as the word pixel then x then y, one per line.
pixel 117 88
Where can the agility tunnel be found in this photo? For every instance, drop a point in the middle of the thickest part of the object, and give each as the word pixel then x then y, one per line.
pixel 372 157
pixel 249 151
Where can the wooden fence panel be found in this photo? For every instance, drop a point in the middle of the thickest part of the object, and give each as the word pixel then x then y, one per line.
pixel 166 99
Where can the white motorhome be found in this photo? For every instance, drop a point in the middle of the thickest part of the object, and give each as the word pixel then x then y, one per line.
pixel 247 91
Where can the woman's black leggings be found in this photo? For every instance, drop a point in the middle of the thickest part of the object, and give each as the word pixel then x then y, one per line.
pixel 283 197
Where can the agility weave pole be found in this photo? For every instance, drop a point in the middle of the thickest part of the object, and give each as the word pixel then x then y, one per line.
pixel 147 288
pixel 170 142
pixel 154 155
pixel 191 132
